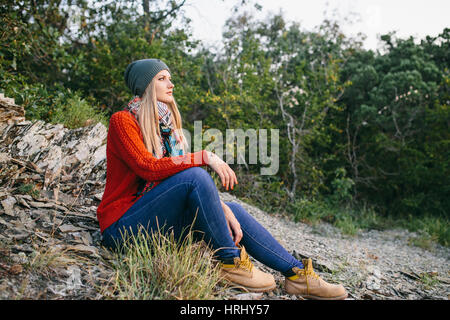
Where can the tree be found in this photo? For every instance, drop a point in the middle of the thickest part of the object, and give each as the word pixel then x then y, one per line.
pixel 394 124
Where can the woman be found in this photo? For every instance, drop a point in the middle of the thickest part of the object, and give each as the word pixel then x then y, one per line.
pixel 152 182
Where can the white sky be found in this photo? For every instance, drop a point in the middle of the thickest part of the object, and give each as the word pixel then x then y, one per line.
pixel 416 18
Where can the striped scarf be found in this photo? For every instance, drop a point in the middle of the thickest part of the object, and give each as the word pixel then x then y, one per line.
pixel 169 138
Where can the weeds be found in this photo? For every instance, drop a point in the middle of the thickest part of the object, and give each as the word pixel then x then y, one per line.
pixel 429 280
pixel 47 259
pixel 430 228
pixel 155 266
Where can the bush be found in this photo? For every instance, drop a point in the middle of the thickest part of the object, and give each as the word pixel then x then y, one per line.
pixel 75 112
pixel 342 186
pixel 311 211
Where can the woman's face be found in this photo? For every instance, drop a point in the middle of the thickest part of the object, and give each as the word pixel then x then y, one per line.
pixel 164 87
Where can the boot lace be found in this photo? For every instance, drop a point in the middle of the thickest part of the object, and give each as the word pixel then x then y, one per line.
pixel 246 264
pixel 245 261
pixel 308 271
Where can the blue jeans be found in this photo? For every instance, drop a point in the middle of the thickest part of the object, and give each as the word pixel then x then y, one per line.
pixel 191 197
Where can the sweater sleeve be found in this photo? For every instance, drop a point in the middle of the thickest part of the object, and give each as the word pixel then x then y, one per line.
pixel 127 141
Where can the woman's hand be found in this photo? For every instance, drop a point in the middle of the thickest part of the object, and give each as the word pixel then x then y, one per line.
pixel 234 227
pixel 224 171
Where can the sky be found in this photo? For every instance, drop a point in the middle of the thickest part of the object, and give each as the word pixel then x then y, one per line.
pixel 416 18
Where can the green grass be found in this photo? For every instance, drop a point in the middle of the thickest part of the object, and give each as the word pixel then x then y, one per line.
pixel 429 280
pixel 348 220
pixel 156 266
pixel 430 229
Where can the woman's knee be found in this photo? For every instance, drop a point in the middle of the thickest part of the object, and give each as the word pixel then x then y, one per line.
pixel 199 175
pixel 235 207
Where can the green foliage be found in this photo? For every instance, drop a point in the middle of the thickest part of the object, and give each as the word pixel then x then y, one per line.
pixel 394 133
pixel 342 186
pixel 76 112
pixel 30 41
pixel 311 211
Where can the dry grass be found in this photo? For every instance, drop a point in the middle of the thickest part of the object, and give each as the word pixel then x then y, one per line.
pixel 48 259
pixel 155 266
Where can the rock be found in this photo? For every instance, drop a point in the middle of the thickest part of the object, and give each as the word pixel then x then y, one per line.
pixel 375 271
pixel 56 151
pixel 7 101
pixel 10 113
pixel 5 223
pixel 15 269
pixel 368 296
pixel 23 202
pixel 4 157
pixel 319 266
pixel 373 283
pixel 74 279
pixel 8 205
pixel 21 258
pixel 83 248
pixel 411 275
pixel 41 204
pixel 98 196
pixel 69 228
pixel 247 296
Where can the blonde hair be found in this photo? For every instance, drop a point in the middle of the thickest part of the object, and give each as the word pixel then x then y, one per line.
pixel 149 122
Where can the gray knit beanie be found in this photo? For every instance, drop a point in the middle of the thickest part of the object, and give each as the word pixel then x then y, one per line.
pixel 140 73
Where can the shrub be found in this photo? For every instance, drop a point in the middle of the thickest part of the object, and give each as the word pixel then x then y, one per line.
pixel 75 112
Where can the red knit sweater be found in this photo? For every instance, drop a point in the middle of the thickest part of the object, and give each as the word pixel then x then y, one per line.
pixel 127 159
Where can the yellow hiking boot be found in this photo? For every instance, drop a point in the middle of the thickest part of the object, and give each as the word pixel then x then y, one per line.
pixel 245 275
pixel 309 285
